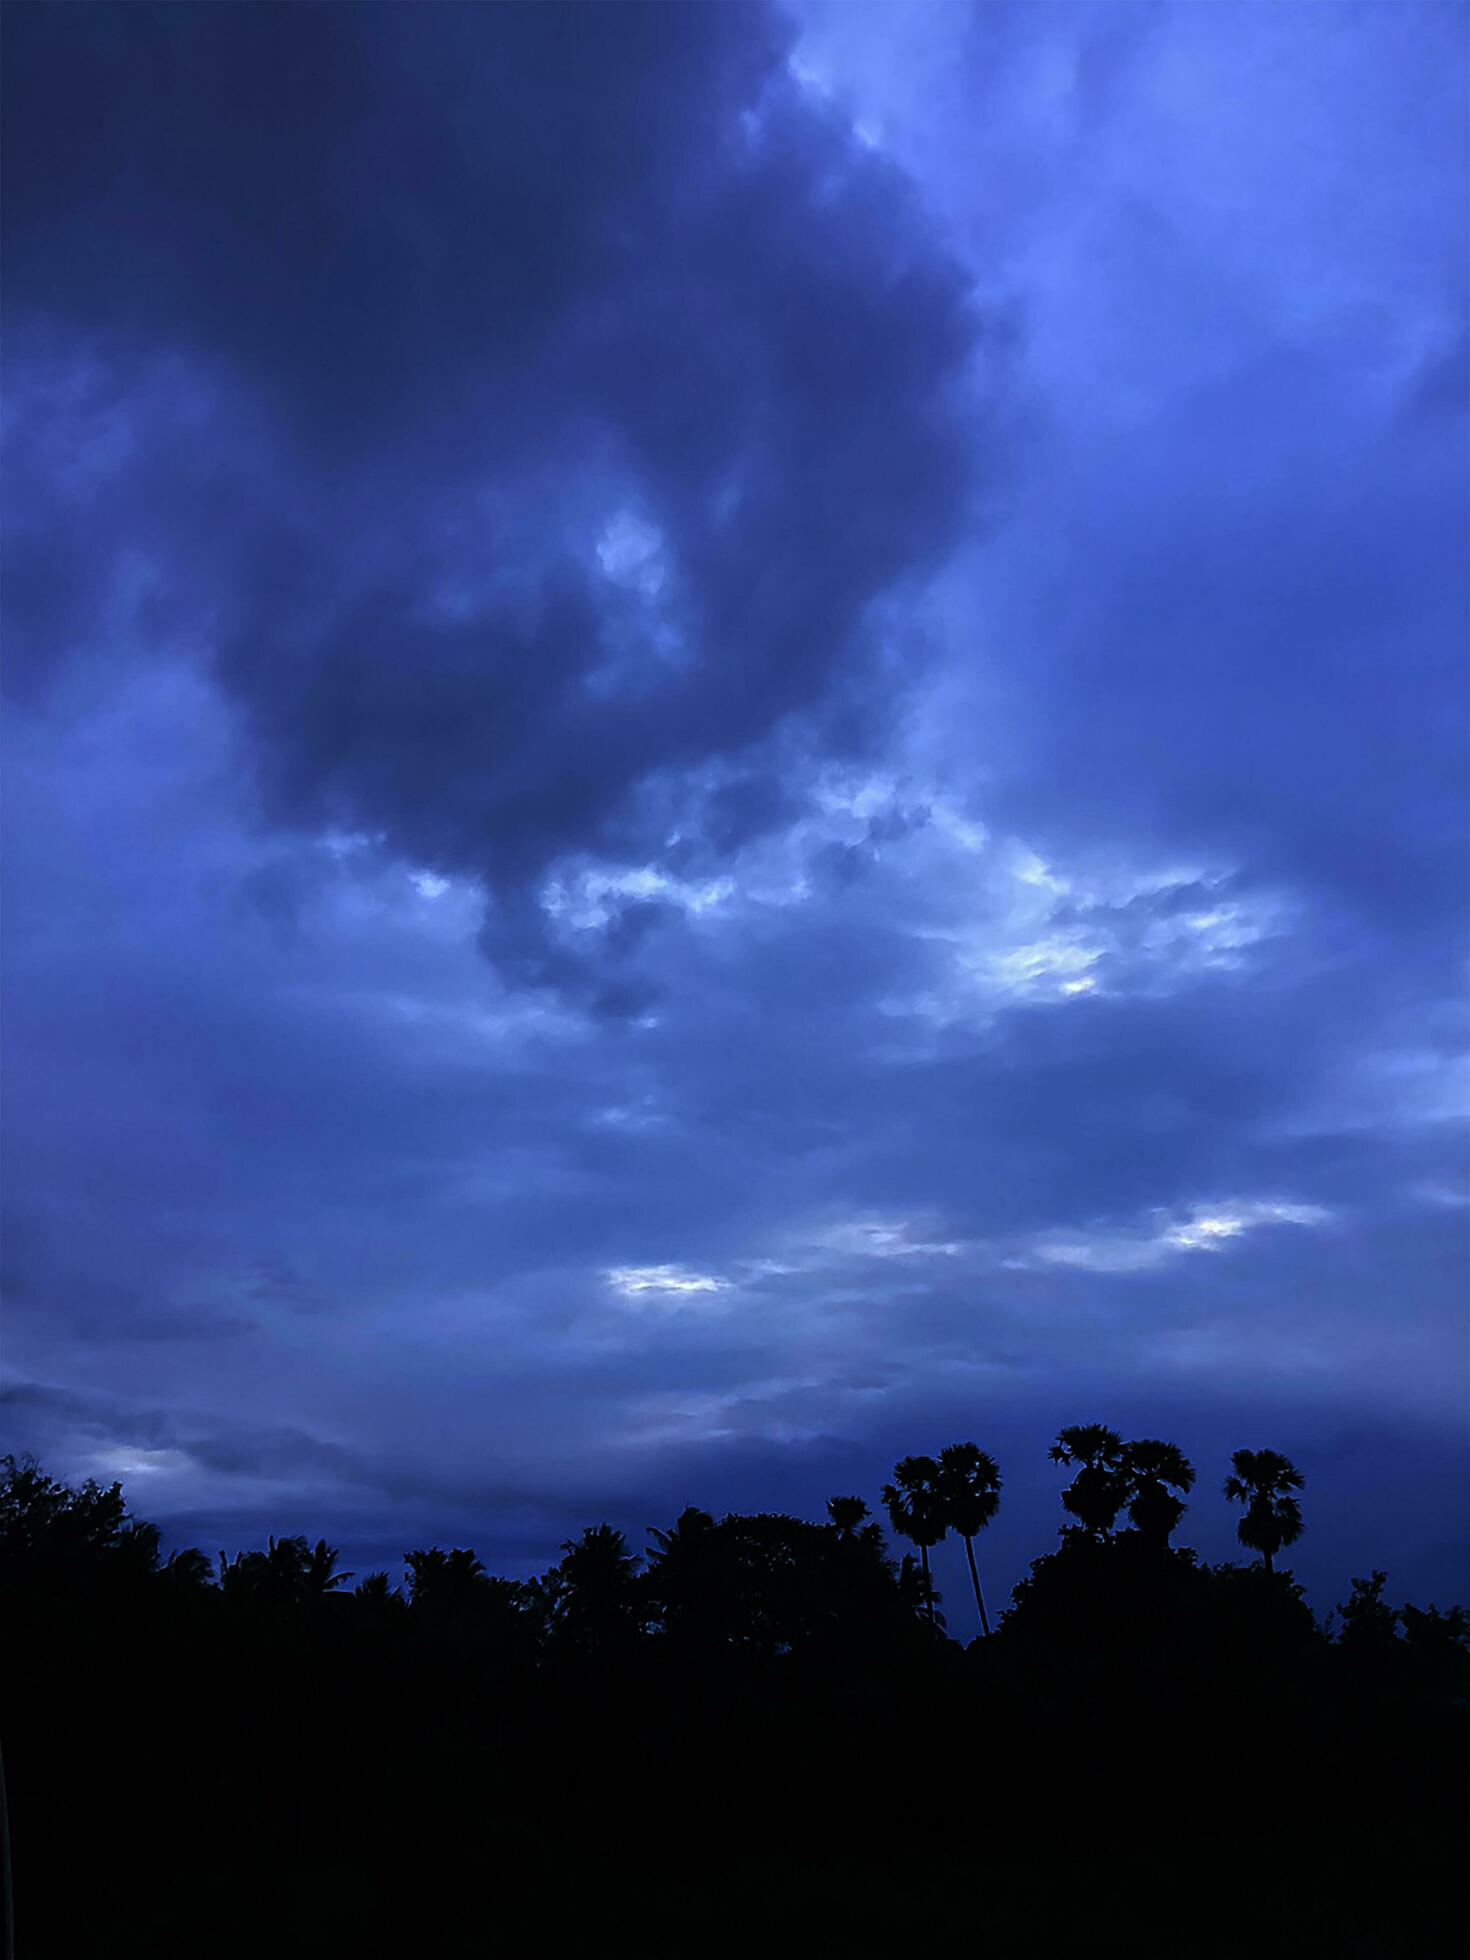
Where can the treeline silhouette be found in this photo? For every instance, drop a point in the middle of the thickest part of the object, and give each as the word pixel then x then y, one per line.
pixel 756 1733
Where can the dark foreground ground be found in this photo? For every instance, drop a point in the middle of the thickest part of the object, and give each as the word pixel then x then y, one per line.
pixel 1397 1892
pixel 166 1809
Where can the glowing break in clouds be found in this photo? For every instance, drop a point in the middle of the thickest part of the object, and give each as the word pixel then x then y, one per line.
pixel 661 1285
pixel 1110 1248
pixel 977 923
pixel 1205 1229
pixel 595 896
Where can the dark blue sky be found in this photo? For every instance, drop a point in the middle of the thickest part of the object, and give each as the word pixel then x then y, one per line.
pixel 735 742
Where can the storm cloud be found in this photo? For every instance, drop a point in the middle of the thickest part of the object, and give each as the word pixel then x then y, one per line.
pixel 595 436
pixel 733 741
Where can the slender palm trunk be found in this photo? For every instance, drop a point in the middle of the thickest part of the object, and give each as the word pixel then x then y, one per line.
pixel 1270 1562
pixel 975 1582
pixel 928 1588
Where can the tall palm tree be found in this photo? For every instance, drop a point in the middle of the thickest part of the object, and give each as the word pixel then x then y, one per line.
pixel 846 1514
pixel 1265 1481
pixel 1152 1471
pixel 1095 1495
pixel 916 1511
pixel 969 1493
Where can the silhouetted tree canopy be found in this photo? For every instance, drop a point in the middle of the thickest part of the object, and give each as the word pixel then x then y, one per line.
pixel 753 1703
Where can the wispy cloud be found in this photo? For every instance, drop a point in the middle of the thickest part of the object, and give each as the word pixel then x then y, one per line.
pixel 885 1239
pixel 662 1285
pixel 1137 1249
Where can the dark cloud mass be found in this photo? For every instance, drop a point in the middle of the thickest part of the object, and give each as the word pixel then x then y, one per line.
pixel 733 741
pixel 480 330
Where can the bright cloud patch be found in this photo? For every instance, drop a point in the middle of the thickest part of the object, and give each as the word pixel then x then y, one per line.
pixel 982 922
pixel 127 1463
pixel 1050 964
pixel 594 896
pixel 1205 1229
pixel 661 1283
pixel 631 553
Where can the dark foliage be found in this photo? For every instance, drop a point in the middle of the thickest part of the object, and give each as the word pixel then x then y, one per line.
pixel 763 1713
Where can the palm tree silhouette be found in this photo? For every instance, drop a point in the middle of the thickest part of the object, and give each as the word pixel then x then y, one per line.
pixel 1096 1494
pixel 846 1514
pixel 916 1510
pixel 189 1569
pixel 320 1575
pixel 598 1597
pixel 687 1577
pixel 445 1582
pixel 969 1493
pixel 277 1574
pixel 1263 1482
pixel 914 1590
pixel 1151 1472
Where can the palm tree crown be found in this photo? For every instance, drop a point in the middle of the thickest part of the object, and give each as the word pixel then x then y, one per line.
pixel 1152 1472
pixel 321 1575
pixel 969 1487
pixel 597 1594
pixel 915 1508
pixel 1265 1482
pixel 1098 1491
pixel 845 1514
